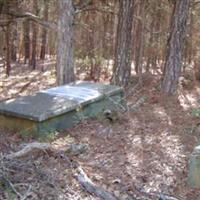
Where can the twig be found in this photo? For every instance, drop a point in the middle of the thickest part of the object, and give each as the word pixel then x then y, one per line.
pixel 27 193
pixel 12 187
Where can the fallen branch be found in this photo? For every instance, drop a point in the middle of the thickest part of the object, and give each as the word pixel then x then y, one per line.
pixel 35 146
pixel 21 14
pixel 159 195
pixel 90 187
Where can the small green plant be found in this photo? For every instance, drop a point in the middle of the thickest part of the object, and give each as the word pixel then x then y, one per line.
pixel 10 194
pixel 46 133
pixel 196 112
pixel 27 133
pixel 80 116
pixel 5 186
pixel 48 136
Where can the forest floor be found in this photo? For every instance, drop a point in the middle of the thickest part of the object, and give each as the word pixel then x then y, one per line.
pixel 142 155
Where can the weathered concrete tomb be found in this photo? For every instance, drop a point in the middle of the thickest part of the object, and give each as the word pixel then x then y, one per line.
pixel 58 108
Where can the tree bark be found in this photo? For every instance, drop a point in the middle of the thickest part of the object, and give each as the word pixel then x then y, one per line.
pixel 34 37
pixel 150 46
pixel 44 32
pixel 140 41
pixel 14 42
pixel 8 65
pixel 65 63
pixel 175 46
pixel 26 40
pixel 34 45
pixel 122 62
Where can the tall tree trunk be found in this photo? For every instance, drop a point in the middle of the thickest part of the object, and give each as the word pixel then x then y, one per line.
pixel 172 68
pixel 34 37
pixel 122 62
pixel 14 42
pixel 8 66
pixel 26 41
pixel 140 41
pixel 150 46
pixel 91 44
pixel 114 30
pixel 34 45
pixel 44 32
pixel 191 31
pixel 65 62
pixel 97 45
pixel 14 32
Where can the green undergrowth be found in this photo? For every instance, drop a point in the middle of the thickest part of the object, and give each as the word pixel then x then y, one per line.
pixel 196 112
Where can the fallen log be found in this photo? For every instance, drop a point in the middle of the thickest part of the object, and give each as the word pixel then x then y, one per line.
pixel 90 187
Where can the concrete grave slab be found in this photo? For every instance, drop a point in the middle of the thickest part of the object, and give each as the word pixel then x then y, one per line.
pixel 194 168
pixel 37 107
pixel 59 107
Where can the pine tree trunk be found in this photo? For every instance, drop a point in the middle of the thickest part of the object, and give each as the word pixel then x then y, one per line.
pixel 114 30
pixel 26 41
pixel 34 37
pixel 140 41
pixel 150 46
pixel 122 62
pixel 8 66
pixel 175 46
pixel 14 42
pixel 191 39
pixel 34 45
pixel 44 32
pixel 65 63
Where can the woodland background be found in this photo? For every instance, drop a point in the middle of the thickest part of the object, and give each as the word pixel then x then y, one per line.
pixel 151 48
pixel 31 31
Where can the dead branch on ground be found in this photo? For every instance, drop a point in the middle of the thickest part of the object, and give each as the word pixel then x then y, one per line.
pixel 90 187
pixel 29 148
pixel 159 195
